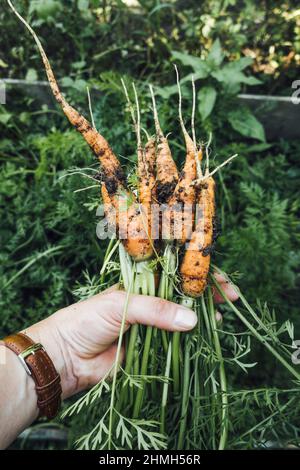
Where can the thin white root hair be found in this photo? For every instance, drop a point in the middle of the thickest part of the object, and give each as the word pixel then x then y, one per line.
pixel 207 149
pixel 90 107
pixel 138 122
pixel 155 114
pixel 193 114
pixel 146 133
pixel 207 175
pixel 49 71
pixel 199 170
pixel 129 104
pixel 72 173
pixel 86 188
pixel 180 104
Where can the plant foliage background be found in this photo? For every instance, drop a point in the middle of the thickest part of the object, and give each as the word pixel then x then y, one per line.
pixel 48 241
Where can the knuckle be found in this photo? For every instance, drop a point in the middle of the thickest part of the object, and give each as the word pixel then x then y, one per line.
pixel 162 310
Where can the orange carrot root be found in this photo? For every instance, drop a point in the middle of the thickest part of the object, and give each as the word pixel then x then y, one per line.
pixel 196 260
pixel 112 170
pixel 113 190
pixel 158 180
pixel 178 217
pixel 166 170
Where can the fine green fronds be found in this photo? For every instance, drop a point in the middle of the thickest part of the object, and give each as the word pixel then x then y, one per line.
pixel 93 394
pixel 186 380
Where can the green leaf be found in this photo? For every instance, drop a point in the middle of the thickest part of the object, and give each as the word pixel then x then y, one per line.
pixel 199 66
pixel 5 117
pixel 242 63
pixel 207 98
pixel 215 56
pixel 257 148
pixel 230 76
pixel 243 121
pixel 24 117
pixel 167 91
pixel 252 81
pixel 78 65
pixel 67 82
pixel 31 75
pixel 188 78
pixel 3 64
pixel 83 4
pixel 160 7
pixel 80 85
pixel 45 9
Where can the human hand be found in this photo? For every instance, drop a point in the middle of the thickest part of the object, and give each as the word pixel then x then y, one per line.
pixel 81 338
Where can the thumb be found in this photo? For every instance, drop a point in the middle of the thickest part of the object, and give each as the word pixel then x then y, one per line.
pixel 154 311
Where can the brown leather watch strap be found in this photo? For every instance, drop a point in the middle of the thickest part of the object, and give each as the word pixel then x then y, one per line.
pixel 38 364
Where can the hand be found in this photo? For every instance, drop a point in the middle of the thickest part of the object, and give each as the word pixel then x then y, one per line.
pixel 227 287
pixel 81 339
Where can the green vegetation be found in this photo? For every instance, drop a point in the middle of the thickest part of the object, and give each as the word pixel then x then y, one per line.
pixel 50 255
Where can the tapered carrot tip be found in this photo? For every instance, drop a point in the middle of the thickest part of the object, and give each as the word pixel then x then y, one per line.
pixel 193 287
pixel 137 242
pixel 134 231
pixel 139 250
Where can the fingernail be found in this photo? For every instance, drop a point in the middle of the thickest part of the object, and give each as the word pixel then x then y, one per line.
pixel 231 292
pixel 185 319
pixel 219 317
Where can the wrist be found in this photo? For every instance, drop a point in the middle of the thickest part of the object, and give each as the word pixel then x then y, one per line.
pixel 46 334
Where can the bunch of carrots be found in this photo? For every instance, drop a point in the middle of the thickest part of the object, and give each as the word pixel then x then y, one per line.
pixel 183 235
pixel 159 182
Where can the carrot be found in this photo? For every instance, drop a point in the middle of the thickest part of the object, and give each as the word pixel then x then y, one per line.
pixel 146 173
pixel 166 170
pixel 178 218
pixel 146 159
pixel 133 218
pixel 112 171
pixel 195 264
pixel 196 260
pixel 139 216
pixel 131 222
pixel 114 190
pixel 109 211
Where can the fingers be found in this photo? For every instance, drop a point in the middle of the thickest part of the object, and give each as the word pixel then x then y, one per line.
pixel 219 317
pixel 154 311
pixel 228 288
pixel 225 284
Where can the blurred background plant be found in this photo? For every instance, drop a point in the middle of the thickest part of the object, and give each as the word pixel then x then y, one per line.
pixel 49 247
pixel 96 37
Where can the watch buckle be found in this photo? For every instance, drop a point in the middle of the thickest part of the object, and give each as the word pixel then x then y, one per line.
pixel 27 352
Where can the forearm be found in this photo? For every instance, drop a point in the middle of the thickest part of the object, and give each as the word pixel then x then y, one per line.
pixel 18 408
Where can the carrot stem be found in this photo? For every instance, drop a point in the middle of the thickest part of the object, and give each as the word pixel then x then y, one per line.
pixel 255 333
pixel 143 371
pixel 210 383
pixel 222 374
pixel 185 395
pixel 165 391
pixel 176 362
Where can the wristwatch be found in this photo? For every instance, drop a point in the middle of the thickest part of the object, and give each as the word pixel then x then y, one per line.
pixel 40 367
